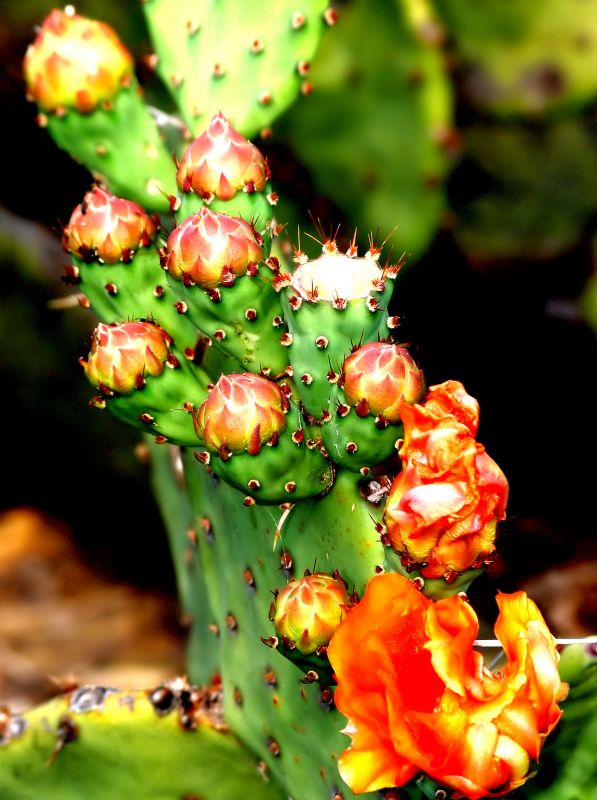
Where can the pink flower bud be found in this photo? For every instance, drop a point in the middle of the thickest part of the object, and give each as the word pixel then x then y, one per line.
pixel 107 228
pixel 208 243
pixel 75 62
pixel 123 355
pixel 308 610
pixel 221 162
pixel 383 375
pixel 240 414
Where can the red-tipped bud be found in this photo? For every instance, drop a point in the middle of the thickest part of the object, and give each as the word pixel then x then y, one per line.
pixel 308 610
pixel 75 62
pixel 241 413
pixel 208 245
pixel 221 162
pixel 383 375
pixel 335 276
pixel 107 228
pixel 123 355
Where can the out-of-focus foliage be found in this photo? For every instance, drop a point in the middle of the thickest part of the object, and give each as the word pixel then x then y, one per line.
pixel 524 57
pixel 376 133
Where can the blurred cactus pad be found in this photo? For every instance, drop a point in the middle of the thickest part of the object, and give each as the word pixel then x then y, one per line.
pixel 309 477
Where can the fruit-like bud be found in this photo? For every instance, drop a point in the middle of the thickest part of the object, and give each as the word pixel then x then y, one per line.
pixel 241 413
pixel 107 228
pixel 208 245
pixel 384 376
pixel 75 62
pixel 308 610
pixel 122 355
pixel 221 162
pixel 335 276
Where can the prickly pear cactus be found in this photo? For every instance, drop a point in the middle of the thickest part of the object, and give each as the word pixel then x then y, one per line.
pixel 326 509
pixel 522 58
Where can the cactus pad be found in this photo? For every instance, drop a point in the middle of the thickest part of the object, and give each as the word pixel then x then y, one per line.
pixel 97 743
pixel 252 74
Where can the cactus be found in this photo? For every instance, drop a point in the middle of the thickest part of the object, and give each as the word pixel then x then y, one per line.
pixel 67 747
pixel 298 456
pixel 522 59
pixel 381 91
pixel 257 70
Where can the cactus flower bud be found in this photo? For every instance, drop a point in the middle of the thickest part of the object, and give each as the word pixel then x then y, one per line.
pixel 221 162
pixel 241 413
pixel 107 228
pixel 308 610
pixel 334 275
pixel 75 62
pixel 208 243
pixel 385 376
pixel 122 355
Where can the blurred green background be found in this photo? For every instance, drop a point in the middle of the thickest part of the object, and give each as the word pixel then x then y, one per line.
pixel 465 132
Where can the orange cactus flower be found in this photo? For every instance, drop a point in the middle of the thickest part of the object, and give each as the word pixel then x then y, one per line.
pixel 209 244
pixel 309 609
pixel 443 507
pixel 241 413
pixel 107 228
pixel 123 355
pixel 221 162
pixel 418 697
pixel 75 62
pixel 384 376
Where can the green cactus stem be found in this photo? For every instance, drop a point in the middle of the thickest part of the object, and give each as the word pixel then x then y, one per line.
pixel 252 74
pixel 242 317
pixel 291 724
pixel 164 744
pixel 81 77
pixel 183 531
pixel 332 305
pixel 358 442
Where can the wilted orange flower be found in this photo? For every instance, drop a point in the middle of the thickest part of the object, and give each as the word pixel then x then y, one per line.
pixel 443 507
pixel 123 354
pixel 207 244
pixel 221 162
pixel 75 62
pixel 108 228
pixel 384 376
pixel 241 413
pixel 419 699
